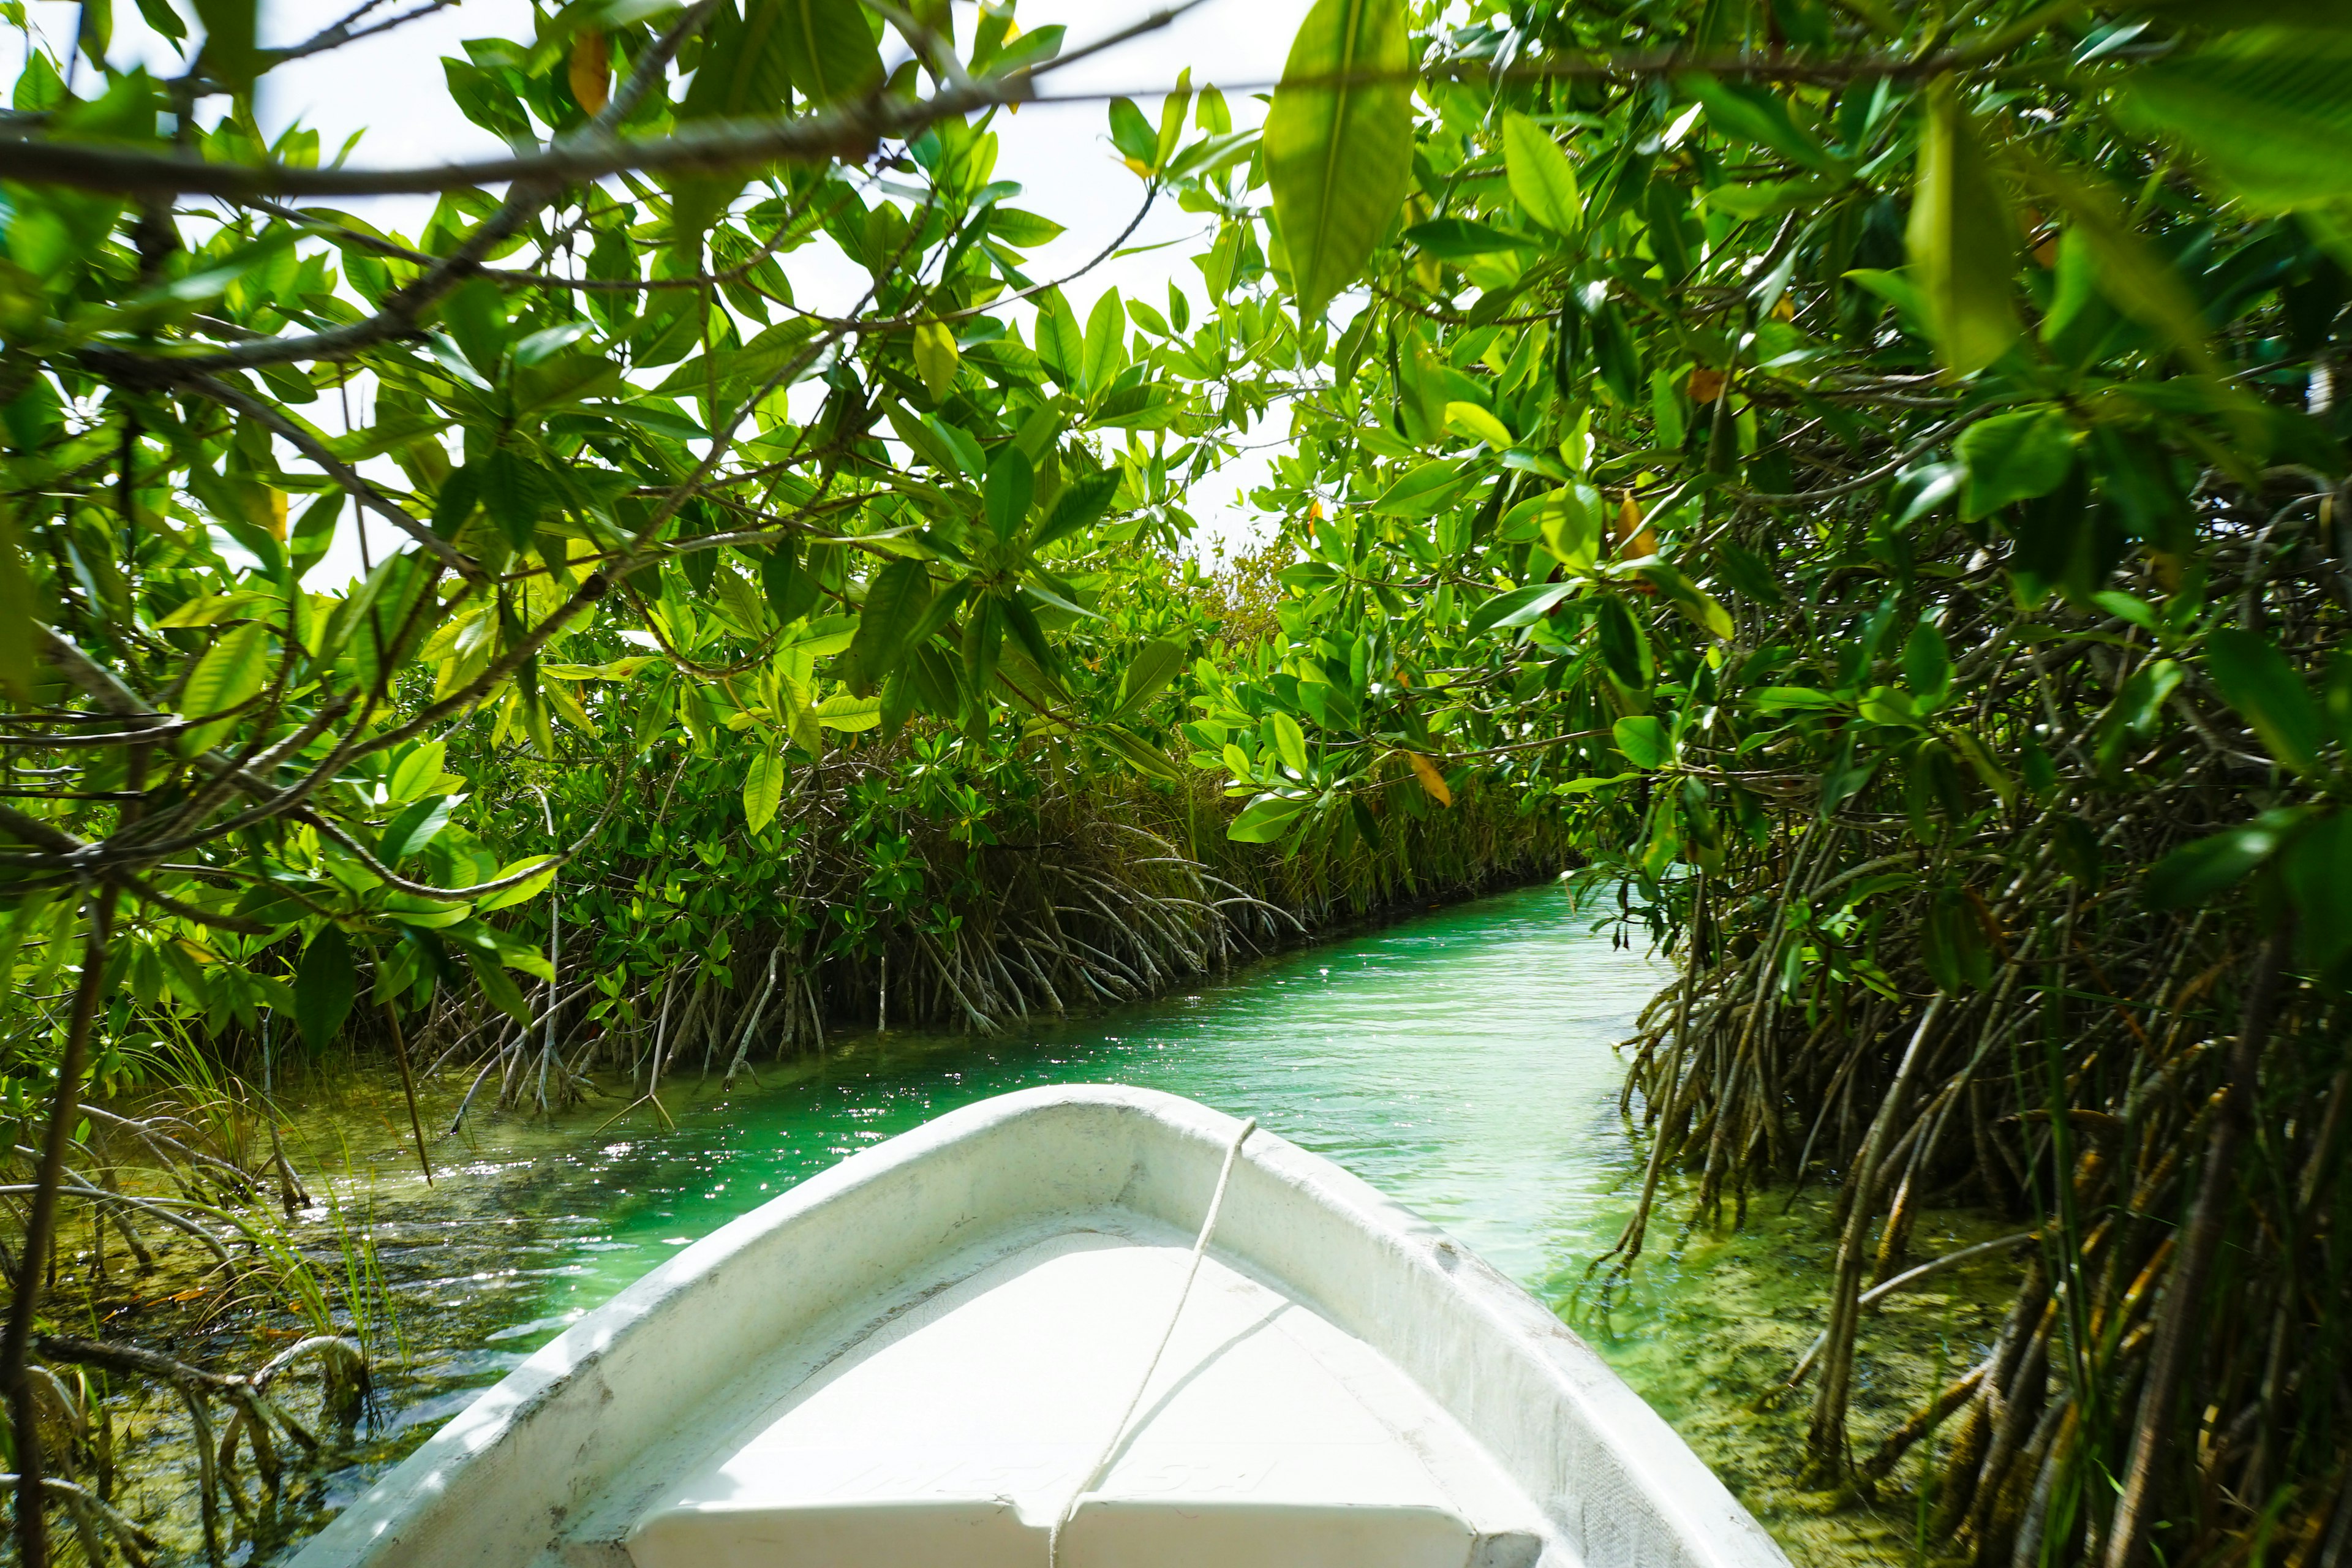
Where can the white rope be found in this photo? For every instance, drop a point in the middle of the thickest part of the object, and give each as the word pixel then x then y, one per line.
pixel 1095 1471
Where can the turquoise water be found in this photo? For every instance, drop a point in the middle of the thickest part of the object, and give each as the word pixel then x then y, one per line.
pixel 1461 1060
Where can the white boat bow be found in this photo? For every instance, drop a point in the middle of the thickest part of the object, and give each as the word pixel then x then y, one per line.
pixel 920 1359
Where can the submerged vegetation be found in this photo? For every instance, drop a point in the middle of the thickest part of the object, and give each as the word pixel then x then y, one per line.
pixel 1867 479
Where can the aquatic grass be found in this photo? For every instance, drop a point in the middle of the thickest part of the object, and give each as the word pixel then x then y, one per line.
pixel 928 884
pixel 374 1314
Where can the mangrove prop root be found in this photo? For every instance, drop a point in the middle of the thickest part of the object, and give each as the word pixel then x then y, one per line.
pixel 2155 1093
pixel 32 1529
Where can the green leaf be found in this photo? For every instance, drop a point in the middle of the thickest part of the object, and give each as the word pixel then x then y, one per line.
pixel 1289 741
pixel 1460 239
pixel 764 789
pixel 314 531
pixel 1132 135
pixel 2015 456
pixel 1568 520
pixel 417 825
pixel 230 672
pixel 922 436
pixel 547 384
pixel 159 15
pixel 2258 681
pixel 968 455
pixel 1899 289
pixel 2199 872
pixel 1519 607
pixel 475 317
pixel 1542 180
pixel 1006 490
pixel 1027 633
pixel 2265 107
pixel 983 643
pixel 516 493
pixel 828 49
pixel 1624 646
pixel 1139 753
pixel 747 70
pixel 325 986
pixel 1644 741
pixel 1751 113
pixel 1695 603
pixel 1155 664
pixel 744 70
pixel 1264 819
pixel 230 50
pixel 792 590
pixel 416 771
pixel 16 667
pixel 1588 785
pixel 1424 491
pixel 1081 505
pixel 1770 198
pixel 1927 665
pixel 1105 344
pixel 1995 777
pixel 1957 955
pixel 1339 143
pixel 1963 245
pixel 1024 230
pixel 741 602
pixel 1171 117
pixel 522 891
pixel 2318 878
pixel 498 986
pixel 895 603
pixel 2128 270
pixel 1060 345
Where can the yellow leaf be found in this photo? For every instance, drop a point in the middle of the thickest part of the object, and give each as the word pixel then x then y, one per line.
pixel 936 357
pixel 844 711
pixel 1469 419
pixel 591 69
pixel 561 698
pixel 1632 536
pixel 1431 778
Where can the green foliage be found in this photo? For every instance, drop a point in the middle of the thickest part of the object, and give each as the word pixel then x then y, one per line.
pixel 1890 514
pixel 1868 478
pixel 619 542
pixel 325 985
pixel 1339 143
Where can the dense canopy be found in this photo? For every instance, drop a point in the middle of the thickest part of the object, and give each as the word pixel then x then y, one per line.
pixel 1864 480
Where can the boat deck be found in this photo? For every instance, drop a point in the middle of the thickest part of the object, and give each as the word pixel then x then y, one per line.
pixel 956 1433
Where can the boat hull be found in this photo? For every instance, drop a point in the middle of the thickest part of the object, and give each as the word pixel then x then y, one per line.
pixel 582 1446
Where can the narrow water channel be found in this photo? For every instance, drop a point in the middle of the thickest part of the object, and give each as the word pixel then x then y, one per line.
pixel 1461 1060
